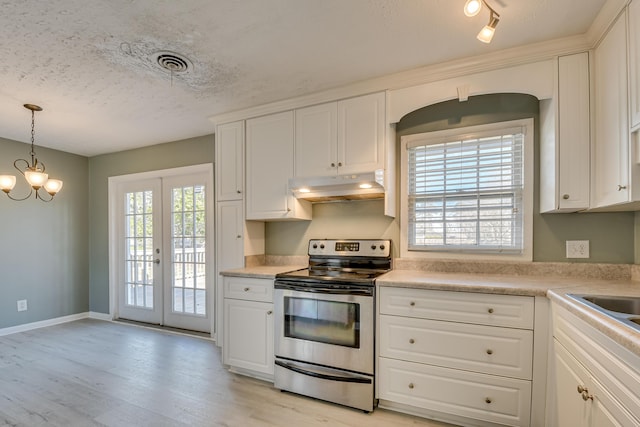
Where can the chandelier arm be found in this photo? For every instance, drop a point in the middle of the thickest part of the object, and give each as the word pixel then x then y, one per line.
pixel 39 197
pixel 23 198
pixel 15 165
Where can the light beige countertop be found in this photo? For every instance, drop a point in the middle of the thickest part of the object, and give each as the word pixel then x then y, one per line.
pixel 555 288
pixel 262 271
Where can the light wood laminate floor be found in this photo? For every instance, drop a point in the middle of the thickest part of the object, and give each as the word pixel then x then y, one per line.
pixel 96 373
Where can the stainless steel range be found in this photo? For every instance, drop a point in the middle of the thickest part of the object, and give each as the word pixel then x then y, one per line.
pixel 325 321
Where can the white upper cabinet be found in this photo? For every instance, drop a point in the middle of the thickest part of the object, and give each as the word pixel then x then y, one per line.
pixel 611 183
pixel 565 145
pixel 340 137
pixel 634 62
pixel 316 140
pixel 230 161
pixel 361 133
pixel 270 157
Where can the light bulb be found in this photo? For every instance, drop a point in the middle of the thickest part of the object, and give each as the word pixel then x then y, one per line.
pixel 36 179
pixel 53 186
pixel 486 34
pixel 472 7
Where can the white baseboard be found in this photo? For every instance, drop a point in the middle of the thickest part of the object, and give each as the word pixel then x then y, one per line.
pixel 54 321
pixel 100 316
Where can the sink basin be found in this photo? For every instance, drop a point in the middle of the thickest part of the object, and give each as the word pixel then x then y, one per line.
pixel 623 309
pixel 626 305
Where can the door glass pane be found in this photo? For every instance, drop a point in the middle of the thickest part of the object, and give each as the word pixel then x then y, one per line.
pixel 322 321
pixel 139 249
pixel 188 254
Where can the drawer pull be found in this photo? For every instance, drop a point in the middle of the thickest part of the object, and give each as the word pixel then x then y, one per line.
pixel 487 400
pixel 270 312
pixel 489 351
pixel 586 396
pixel 411 341
pixel 247 289
pixel 411 385
pixel 490 311
pixel 582 389
pixel 412 303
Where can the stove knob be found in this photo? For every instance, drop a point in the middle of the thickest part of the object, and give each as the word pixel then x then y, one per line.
pixel 382 247
pixel 373 247
pixel 321 246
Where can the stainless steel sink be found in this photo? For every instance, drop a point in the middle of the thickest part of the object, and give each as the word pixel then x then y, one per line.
pixel 626 305
pixel 621 308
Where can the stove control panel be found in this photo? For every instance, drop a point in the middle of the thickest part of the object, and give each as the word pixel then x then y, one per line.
pixel 350 247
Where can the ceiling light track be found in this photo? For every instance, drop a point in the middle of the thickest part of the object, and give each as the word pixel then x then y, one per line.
pixel 472 8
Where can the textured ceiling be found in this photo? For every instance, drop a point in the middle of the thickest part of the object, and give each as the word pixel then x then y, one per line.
pixel 90 63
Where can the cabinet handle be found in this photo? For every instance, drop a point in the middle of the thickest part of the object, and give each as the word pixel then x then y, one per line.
pixel 412 303
pixel 247 289
pixel 489 351
pixel 566 197
pixel 582 389
pixel 411 385
pixel 239 236
pixel 238 191
pixel 586 396
pixel 490 311
pixel 333 165
pixel 339 164
pixel 487 400
pixel 411 341
pixel 269 312
pixel 621 187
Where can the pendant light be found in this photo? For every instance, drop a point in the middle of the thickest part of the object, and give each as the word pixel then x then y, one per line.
pixel 472 8
pixel 34 172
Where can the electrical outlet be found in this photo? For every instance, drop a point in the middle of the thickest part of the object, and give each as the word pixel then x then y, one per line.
pixel 577 249
pixel 22 305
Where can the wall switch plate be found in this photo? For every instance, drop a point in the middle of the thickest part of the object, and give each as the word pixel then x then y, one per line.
pixel 22 305
pixel 577 249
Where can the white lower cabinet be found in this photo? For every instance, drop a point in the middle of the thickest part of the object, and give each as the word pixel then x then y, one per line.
pixel 465 358
pixel 248 326
pixel 593 381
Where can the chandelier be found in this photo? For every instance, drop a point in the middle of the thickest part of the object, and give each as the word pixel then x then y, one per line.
pixel 33 173
pixel 472 8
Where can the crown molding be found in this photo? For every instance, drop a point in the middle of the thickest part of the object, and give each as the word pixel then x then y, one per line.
pixel 456 68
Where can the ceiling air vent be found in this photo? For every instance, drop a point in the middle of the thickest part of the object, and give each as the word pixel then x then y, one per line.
pixel 173 62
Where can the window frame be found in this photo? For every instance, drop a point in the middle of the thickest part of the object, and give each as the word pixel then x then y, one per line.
pixel 448 135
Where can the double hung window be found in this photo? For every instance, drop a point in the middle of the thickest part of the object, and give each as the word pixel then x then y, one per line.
pixel 466 189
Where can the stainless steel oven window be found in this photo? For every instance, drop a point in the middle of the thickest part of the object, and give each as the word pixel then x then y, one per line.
pixel 322 321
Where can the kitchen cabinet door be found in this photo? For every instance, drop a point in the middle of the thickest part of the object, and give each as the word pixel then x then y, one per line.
pixel 634 62
pixel 270 155
pixel 565 152
pixel 229 235
pixel 230 161
pixel 581 400
pixel 248 336
pixel 361 134
pixel 316 140
pixel 611 147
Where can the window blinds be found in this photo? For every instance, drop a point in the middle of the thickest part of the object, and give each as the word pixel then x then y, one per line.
pixel 466 193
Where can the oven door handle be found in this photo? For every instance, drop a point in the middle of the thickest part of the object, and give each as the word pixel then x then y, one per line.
pixel 346 379
pixel 368 291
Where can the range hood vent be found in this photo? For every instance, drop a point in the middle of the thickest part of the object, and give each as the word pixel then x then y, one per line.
pixel 362 186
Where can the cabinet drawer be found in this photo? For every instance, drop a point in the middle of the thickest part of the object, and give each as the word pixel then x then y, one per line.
pixel 487 349
pixel 483 397
pixel 486 309
pixel 248 288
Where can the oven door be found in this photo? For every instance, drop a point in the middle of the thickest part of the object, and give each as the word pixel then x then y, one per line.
pixel 325 325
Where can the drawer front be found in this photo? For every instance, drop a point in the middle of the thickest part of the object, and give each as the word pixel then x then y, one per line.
pixel 248 289
pixel 485 309
pixel 483 397
pixel 487 349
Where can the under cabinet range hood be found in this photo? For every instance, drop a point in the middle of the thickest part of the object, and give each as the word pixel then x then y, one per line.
pixel 361 186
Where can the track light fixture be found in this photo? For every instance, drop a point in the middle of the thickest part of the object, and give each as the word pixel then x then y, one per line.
pixel 472 8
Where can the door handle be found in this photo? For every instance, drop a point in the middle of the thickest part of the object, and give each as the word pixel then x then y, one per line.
pixel 156 261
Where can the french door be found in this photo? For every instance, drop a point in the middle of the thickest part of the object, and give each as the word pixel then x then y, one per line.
pixel 164 251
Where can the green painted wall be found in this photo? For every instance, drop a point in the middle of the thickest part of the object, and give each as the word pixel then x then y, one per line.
pixel 44 246
pixel 188 152
pixel 611 235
